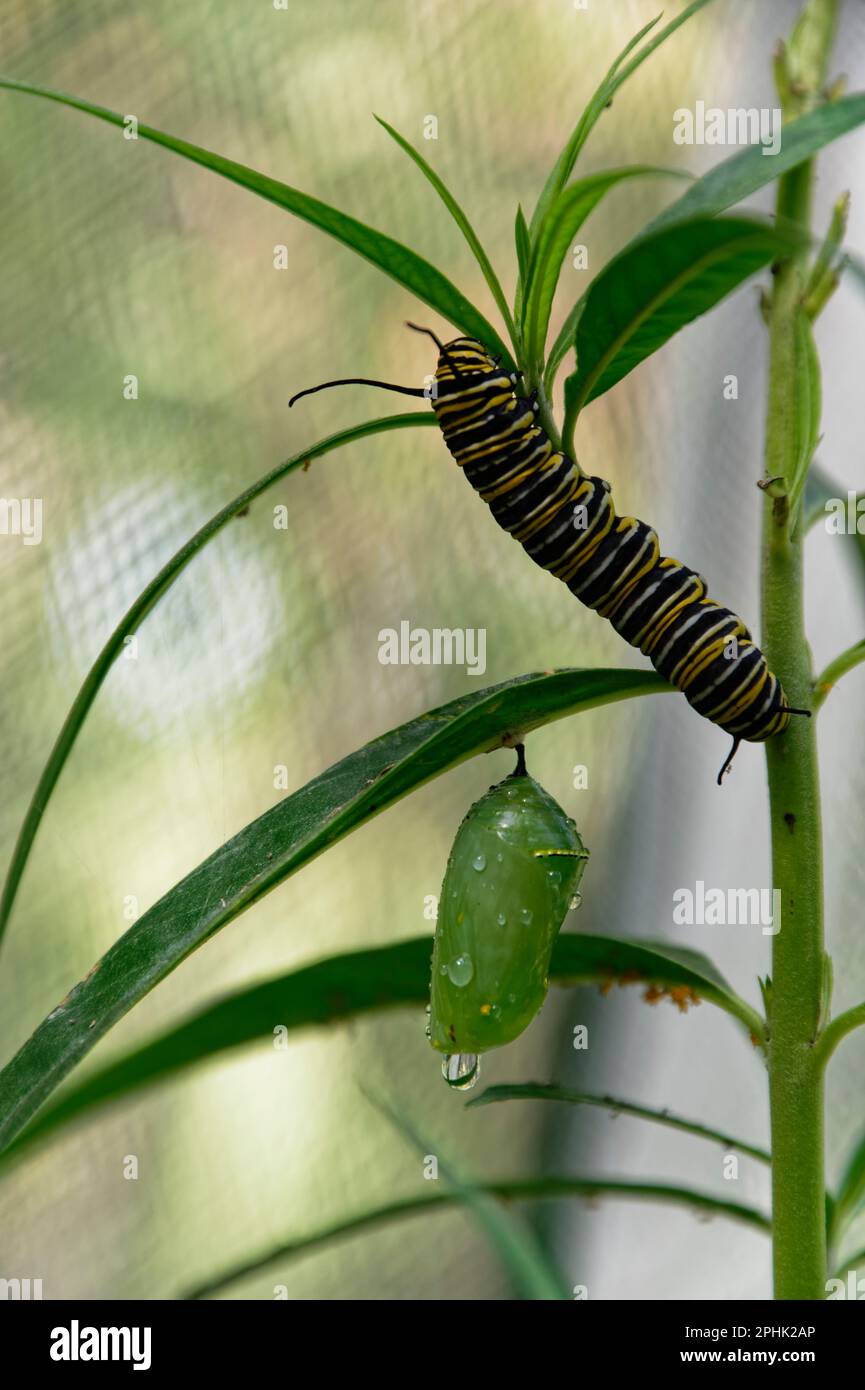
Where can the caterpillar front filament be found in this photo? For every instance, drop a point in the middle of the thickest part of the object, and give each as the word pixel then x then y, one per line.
pixel 567 523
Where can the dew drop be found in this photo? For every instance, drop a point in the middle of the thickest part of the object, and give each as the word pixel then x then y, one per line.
pixel 479 863
pixel 460 970
pixel 461 1070
pixel 576 901
pixel 499 857
pixel 502 920
pixel 525 915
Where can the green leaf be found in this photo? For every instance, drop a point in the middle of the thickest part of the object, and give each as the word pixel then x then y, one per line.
pixel 563 221
pixel 134 617
pixel 462 222
pixel 750 169
pixel 518 1247
pixel 280 842
pixel 521 1189
pixel 520 236
pixel 361 982
pixel 807 398
pixel 602 98
pixel 654 288
pixel 403 265
pixel 534 1091
pixel 729 183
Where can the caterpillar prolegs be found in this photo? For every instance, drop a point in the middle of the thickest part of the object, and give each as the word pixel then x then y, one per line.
pixel 566 521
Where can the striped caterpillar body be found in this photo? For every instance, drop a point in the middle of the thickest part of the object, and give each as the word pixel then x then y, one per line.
pixel 567 523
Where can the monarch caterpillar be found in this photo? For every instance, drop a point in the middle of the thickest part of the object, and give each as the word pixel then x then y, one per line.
pixel 513 872
pixel 612 564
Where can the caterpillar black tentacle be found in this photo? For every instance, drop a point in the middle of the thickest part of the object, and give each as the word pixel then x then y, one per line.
pixel 567 523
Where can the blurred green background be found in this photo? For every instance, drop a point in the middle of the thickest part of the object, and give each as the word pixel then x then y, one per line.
pixel 119 258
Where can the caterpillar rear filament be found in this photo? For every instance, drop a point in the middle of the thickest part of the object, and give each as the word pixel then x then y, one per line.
pixel 567 523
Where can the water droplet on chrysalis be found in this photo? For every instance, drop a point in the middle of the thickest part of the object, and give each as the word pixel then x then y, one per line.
pixel 460 970
pixel 479 863
pixel 575 902
pixel 525 915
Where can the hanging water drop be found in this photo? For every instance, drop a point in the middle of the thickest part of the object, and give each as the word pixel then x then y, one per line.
pixel 575 902
pixel 525 915
pixel 502 919
pixel 461 1070
pixel 479 863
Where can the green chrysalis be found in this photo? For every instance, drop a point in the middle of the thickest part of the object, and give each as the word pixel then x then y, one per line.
pixel 513 872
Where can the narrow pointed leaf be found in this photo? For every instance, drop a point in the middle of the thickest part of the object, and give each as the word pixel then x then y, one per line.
pixel 494 1095
pixel 520 1189
pixel 461 220
pixel 731 181
pixel 654 288
pixel 521 241
pixel 807 397
pixel 279 843
pixel 565 218
pixel 749 170
pixel 601 98
pixel 362 982
pixel 516 1244
pixel 402 264
pixel 134 617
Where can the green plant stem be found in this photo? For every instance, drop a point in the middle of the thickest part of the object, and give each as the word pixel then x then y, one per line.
pixel 838 1030
pixel 836 669
pixel 535 1091
pixel 796 998
pixel 546 418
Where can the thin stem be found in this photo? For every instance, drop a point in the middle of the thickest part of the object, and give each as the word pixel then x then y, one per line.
pixel 534 1091
pixel 836 669
pixel 838 1030
pixel 796 995
pixel 135 616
